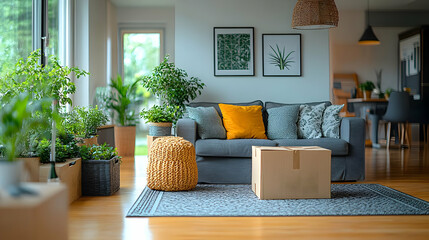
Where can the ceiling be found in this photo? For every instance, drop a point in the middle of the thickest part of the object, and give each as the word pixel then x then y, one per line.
pixel 390 5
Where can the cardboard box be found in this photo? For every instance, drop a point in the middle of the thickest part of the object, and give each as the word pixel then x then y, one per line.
pixel 291 172
pixel 37 217
pixel 69 172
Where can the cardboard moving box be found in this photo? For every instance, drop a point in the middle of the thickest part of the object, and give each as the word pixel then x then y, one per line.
pixel 291 172
pixel 69 172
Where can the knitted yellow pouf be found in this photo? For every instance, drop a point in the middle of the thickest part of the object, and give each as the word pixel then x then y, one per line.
pixel 172 165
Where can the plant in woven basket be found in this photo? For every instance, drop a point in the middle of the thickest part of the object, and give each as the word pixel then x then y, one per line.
pixel 98 152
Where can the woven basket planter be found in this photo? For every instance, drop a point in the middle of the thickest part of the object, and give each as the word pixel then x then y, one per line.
pixel 172 165
pixel 100 177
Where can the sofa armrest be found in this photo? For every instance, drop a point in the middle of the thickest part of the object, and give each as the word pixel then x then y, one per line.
pixel 352 130
pixel 187 128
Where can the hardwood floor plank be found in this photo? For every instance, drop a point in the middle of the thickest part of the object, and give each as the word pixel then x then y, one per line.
pixel 406 170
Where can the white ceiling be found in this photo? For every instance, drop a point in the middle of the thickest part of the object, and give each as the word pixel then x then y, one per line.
pixel 391 5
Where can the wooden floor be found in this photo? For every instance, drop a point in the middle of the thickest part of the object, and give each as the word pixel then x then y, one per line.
pixel 405 170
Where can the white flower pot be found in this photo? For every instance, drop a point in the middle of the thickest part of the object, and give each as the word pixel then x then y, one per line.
pixel 10 173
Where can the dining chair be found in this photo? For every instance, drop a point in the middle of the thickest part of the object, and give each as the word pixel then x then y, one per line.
pixel 398 111
pixel 419 113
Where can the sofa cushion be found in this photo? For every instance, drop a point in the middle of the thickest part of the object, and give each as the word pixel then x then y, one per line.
pixel 229 148
pixel 208 122
pixel 243 121
pixel 282 122
pixel 216 105
pixel 339 147
pixel 331 121
pixel 310 121
pixel 269 105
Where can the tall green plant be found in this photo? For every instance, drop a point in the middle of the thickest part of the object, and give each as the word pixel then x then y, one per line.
pixel 52 80
pixel 280 59
pixel 172 85
pixel 121 101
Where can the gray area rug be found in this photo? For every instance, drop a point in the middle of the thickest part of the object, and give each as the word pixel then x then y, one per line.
pixel 239 200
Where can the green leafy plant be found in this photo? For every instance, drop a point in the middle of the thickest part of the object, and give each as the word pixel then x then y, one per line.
pixel 52 80
pixel 65 148
pixel 157 114
pixel 98 152
pixel 121 101
pixel 84 121
pixel 172 85
pixel 388 92
pixel 367 86
pixel 16 120
pixel 280 59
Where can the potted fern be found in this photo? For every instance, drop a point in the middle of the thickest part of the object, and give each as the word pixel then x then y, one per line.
pixel 367 88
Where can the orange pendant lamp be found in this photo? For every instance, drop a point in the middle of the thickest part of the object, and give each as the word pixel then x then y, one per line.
pixel 315 14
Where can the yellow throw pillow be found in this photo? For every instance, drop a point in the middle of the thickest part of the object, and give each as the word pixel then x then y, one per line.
pixel 243 121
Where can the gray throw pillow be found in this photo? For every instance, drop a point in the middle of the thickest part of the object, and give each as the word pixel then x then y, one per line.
pixel 208 122
pixel 282 122
pixel 331 121
pixel 310 121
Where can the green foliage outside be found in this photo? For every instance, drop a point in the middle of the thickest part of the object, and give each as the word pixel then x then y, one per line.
pixel 83 122
pixel 141 150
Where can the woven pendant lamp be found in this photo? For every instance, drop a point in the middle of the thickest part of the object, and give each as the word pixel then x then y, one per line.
pixel 315 14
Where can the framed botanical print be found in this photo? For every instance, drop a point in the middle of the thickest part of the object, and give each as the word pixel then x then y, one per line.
pixel 281 55
pixel 234 51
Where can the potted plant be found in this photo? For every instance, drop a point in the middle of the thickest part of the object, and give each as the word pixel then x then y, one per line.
pixel 100 170
pixel 121 102
pixel 172 85
pixel 160 119
pixel 367 88
pixel 387 93
pixel 83 123
pixel 15 120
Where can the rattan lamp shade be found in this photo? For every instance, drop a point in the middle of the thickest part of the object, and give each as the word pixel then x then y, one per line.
pixel 315 14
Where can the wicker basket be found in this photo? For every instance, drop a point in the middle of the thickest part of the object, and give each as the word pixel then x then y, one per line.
pixel 172 165
pixel 100 177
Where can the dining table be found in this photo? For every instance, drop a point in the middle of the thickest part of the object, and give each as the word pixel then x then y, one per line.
pixel 369 108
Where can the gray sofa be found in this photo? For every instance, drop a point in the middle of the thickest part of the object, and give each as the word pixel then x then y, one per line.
pixel 229 161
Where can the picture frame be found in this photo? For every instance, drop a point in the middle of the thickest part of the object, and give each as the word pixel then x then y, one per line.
pixel 234 53
pixel 281 55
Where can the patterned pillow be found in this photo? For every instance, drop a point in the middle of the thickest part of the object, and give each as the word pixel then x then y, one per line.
pixel 282 122
pixel 310 121
pixel 331 121
pixel 208 122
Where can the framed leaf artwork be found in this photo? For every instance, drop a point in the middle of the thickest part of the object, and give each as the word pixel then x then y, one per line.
pixel 281 55
pixel 234 51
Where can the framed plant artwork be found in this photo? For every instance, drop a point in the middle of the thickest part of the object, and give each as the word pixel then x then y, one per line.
pixel 234 51
pixel 281 55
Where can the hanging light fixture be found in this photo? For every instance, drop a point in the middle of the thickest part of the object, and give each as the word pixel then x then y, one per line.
pixel 315 14
pixel 368 37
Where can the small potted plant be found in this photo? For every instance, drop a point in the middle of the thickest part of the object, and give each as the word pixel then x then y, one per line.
pixel 160 119
pixel 15 120
pixel 121 102
pixel 387 93
pixel 367 88
pixel 100 170
pixel 83 123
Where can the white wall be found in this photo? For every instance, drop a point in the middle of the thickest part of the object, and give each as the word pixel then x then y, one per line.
pixel 150 18
pixel 348 56
pixel 194 22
